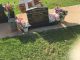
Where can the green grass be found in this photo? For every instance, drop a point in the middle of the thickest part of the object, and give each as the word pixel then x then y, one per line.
pixel 53 3
pixel 46 45
pixel 16 8
pixel 49 3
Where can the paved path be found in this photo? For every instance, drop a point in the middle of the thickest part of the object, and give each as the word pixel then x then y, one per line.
pixel 5 31
pixel 75 51
pixel 73 18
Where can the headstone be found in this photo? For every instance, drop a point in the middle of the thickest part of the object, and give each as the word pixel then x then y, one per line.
pixel 12 21
pixel 38 16
pixel 3 17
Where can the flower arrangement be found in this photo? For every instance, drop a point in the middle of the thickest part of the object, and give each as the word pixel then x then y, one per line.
pixel 8 7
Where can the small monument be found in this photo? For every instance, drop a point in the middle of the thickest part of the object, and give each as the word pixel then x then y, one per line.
pixel 3 17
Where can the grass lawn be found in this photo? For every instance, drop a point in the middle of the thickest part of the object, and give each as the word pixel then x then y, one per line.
pixel 46 45
pixel 53 3
pixel 49 3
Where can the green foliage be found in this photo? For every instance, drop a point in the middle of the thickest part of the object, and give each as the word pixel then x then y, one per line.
pixel 16 8
pixel 53 3
pixel 48 3
pixel 46 45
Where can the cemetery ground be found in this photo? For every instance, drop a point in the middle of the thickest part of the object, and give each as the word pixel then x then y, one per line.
pixel 46 45
pixel 49 3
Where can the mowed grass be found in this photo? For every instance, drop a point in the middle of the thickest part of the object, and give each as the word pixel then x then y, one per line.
pixel 48 3
pixel 46 45
pixel 54 3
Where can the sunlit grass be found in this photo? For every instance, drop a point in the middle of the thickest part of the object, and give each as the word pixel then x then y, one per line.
pixel 46 45
pixel 48 3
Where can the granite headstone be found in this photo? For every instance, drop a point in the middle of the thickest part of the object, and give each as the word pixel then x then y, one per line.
pixel 38 16
pixel 3 17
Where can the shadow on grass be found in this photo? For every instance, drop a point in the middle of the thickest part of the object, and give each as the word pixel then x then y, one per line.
pixel 29 37
pixel 57 35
